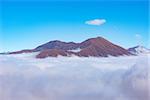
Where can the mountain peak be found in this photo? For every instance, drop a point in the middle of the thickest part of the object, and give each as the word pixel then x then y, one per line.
pixel 95 39
pixel 139 49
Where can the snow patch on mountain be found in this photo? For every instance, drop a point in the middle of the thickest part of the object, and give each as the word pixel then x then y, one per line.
pixel 139 50
pixel 75 50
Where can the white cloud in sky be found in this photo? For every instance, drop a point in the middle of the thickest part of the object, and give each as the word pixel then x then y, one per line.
pixel 96 22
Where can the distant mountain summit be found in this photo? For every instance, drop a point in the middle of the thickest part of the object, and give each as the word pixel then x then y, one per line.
pixel 57 45
pixel 100 47
pixel 95 47
pixel 139 50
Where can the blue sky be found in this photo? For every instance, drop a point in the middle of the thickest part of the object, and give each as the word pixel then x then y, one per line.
pixel 29 23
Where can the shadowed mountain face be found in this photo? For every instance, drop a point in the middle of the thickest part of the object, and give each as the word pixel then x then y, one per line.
pixel 57 45
pixel 96 47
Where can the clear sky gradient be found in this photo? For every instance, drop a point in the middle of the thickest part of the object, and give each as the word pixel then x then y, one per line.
pixel 29 23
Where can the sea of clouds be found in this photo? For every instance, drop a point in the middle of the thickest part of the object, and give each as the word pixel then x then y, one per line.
pixel 22 77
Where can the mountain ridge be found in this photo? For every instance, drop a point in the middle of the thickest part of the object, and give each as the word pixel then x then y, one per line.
pixel 95 47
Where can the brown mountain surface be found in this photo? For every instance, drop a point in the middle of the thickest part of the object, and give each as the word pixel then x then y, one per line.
pixel 96 47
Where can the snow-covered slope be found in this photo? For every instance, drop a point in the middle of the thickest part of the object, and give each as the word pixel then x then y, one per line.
pixel 23 77
pixel 139 50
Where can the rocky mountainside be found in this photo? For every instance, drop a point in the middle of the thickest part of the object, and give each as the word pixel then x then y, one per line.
pixel 96 47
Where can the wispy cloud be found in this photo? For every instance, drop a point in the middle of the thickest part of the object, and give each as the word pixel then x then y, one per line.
pixel 138 39
pixel 138 36
pixel 96 22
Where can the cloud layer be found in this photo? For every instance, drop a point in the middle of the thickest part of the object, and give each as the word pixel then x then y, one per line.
pixel 25 78
pixel 96 22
